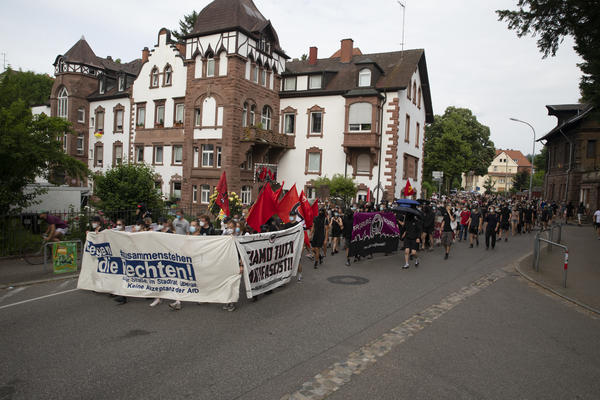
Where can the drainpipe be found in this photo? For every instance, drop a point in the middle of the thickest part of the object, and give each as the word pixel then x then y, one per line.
pixel 380 146
pixel 570 165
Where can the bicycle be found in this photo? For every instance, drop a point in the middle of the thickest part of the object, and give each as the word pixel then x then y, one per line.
pixel 33 253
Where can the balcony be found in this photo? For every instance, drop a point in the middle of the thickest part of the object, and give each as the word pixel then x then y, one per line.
pixel 361 140
pixel 268 138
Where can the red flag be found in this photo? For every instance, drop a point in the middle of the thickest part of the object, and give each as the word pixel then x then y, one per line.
pixel 368 195
pixel 408 189
pixel 263 174
pixel 315 208
pixel 222 198
pixel 278 192
pixel 287 203
pixel 305 210
pixel 263 209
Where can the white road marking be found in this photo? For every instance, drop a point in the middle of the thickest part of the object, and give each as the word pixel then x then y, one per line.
pixel 65 283
pixel 37 298
pixel 11 292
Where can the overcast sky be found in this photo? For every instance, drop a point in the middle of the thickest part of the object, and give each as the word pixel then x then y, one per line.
pixel 472 59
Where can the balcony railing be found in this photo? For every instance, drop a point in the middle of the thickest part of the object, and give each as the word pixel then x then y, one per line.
pixel 367 139
pixel 257 135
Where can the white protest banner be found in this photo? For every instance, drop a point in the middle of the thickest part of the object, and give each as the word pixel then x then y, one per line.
pixel 164 265
pixel 270 259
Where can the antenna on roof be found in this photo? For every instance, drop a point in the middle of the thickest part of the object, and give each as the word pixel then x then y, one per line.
pixel 82 37
pixel 403 15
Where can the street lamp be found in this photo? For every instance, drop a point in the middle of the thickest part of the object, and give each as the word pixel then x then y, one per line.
pixel 532 152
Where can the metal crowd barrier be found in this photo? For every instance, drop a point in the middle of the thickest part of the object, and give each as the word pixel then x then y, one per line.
pixel 550 244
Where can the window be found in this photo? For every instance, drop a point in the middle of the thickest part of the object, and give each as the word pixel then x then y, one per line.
pixel 263 77
pixel 364 77
pixel 246 195
pixel 80 143
pixel 197 117
pixel 117 154
pixel 210 67
pixel 139 154
pixel 289 123
pixel 63 99
pixel 407 129
pixel 204 194
pixel 98 155
pixel 158 154
pixel 177 154
pixel 121 83
pixel 418 135
pixel 255 73
pixel 81 115
pixel 359 118
pixel 311 193
pixel 419 99
pixel 208 155
pixel 179 112
pixel 410 167
pixel 176 191
pixel 101 86
pixel 99 121
pixel 194 193
pixel 266 118
pixel 313 162
pixel 209 112
pixel 314 82
pixel 119 120
pixel 363 164
pixel 154 78
pixel 168 79
pixel 158 186
pixel 219 156
pixel 495 168
pixel 160 114
pixel 245 115
pixel 408 91
pixel 65 143
pixel 414 93
pixel 141 116
pixel 249 161
pixel 289 83
pixel 591 149
pixel 316 121
pixel 252 115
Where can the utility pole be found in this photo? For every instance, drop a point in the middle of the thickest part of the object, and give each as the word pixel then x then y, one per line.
pixel 403 17
pixel 3 62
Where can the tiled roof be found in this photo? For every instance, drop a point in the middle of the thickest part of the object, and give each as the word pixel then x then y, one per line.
pixel 82 53
pixel 580 111
pixel 355 52
pixel 516 155
pixel 397 68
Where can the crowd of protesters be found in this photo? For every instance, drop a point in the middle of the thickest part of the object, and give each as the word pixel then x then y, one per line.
pixel 440 222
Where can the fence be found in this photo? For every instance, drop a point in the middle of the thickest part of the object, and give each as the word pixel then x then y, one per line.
pixel 19 232
pixel 555 228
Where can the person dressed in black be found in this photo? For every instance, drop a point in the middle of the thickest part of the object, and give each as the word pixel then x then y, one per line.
pixel 413 227
pixel 348 222
pixel 428 226
pixel 491 228
pixel 504 222
pixel 446 228
pixel 318 237
pixel 474 224
pixel 335 228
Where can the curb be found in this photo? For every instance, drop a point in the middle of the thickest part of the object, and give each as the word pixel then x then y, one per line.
pixel 551 290
pixel 28 283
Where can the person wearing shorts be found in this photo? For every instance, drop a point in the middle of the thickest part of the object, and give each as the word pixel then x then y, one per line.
pixel 413 228
pixel 57 228
pixel 475 221
pixel 446 229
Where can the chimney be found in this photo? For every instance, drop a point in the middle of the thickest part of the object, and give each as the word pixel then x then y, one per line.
pixel 346 50
pixel 180 48
pixel 109 58
pixel 145 54
pixel 312 56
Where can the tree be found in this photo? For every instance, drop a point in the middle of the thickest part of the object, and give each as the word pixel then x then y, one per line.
pixel 521 181
pixel 488 185
pixel 553 20
pixel 457 143
pixel 33 89
pixel 30 147
pixel 125 186
pixel 343 188
pixel 186 26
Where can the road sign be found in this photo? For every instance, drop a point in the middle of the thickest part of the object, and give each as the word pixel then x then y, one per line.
pixel 438 174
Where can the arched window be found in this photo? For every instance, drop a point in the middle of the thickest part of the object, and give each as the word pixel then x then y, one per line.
pixel 266 117
pixel 363 164
pixel 364 77
pixel 209 112
pixel 252 115
pixel 154 77
pixel 419 100
pixel 414 93
pixel 360 117
pixel 245 115
pixel 168 79
pixel 210 66
pixel 63 103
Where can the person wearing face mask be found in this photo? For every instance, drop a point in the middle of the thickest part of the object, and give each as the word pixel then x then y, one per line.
pixel 181 224
pixel 491 228
pixel 148 225
pixel 318 237
pixel 206 228
pixel 229 228
pixel 336 225
pixel 446 228
pixel 194 229
pixel 96 224
pixel 120 225
pixel 475 221
pixel 465 214
pixel 347 224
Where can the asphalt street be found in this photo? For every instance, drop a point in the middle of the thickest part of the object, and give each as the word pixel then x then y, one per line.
pixel 507 339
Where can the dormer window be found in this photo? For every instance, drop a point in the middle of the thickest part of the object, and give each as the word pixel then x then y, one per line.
pixel 364 77
pixel 210 67
pixel 314 82
pixel 168 76
pixel 289 83
pixel 154 77
pixel 121 83
pixel 101 86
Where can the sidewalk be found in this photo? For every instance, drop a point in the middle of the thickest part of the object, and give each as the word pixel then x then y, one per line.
pixel 583 276
pixel 17 272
